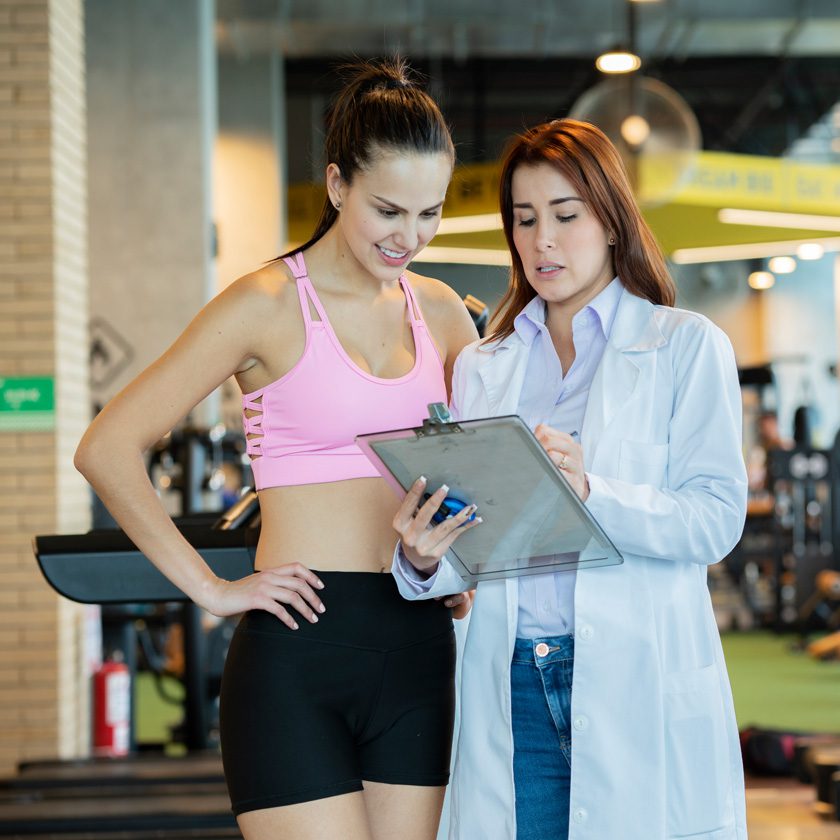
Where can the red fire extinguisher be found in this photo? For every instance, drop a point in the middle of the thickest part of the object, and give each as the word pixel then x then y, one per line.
pixel 111 707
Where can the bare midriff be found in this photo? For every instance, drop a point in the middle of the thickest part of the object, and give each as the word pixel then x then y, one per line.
pixel 336 526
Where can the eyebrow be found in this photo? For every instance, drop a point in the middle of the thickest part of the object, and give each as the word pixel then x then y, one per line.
pixel 528 205
pixel 402 209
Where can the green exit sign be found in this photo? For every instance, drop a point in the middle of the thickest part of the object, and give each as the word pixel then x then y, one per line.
pixel 27 403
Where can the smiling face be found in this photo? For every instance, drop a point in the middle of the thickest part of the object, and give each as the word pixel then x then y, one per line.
pixel 562 245
pixel 392 208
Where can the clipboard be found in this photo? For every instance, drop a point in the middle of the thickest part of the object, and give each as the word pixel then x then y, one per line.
pixel 533 521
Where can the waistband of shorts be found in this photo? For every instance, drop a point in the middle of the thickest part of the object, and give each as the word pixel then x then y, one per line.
pixel 363 609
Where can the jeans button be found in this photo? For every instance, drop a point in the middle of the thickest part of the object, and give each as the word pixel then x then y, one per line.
pixel 541 649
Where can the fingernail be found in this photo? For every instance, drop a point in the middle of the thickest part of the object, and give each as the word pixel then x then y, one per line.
pixel 319 584
pixel 444 487
pixel 422 479
pixel 322 608
pixel 479 519
pixel 314 618
pixel 294 626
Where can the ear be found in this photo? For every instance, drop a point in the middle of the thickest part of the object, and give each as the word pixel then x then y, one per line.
pixel 335 184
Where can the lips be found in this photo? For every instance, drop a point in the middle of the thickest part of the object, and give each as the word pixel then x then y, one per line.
pixel 549 268
pixel 393 257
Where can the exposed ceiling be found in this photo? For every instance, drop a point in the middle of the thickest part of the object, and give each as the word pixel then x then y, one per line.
pixel 757 73
pixel 464 29
pixel 761 76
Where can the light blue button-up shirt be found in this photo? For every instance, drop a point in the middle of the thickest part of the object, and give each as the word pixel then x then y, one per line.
pixel 547 602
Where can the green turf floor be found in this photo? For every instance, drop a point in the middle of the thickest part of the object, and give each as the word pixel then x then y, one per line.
pixel 776 686
pixel 154 715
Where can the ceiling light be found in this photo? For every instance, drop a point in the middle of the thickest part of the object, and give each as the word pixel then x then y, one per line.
pixel 635 130
pixel 810 251
pixel 761 280
pixel 751 251
pixel 471 224
pixel 618 61
pixel 782 265
pixel 464 256
pixel 770 218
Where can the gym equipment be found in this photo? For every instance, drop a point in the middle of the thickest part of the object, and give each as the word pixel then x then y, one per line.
pixel 803 484
pixel 105 567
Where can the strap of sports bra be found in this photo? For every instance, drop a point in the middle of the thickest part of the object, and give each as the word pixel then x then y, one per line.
pixel 413 306
pixel 296 265
pixel 306 292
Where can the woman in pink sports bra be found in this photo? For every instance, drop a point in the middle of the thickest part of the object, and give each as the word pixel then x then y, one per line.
pixel 337 697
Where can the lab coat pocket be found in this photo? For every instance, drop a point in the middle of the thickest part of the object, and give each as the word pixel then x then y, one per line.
pixel 699 799
pixel 642 463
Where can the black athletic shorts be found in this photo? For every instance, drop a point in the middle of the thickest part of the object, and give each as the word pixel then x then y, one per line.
pixel 366 693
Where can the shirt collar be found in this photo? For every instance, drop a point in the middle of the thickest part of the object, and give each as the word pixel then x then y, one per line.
pixel 531 319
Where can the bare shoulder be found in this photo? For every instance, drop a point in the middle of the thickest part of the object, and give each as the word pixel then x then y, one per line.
pixel 260 293
pixel 434 295
pixel 446 314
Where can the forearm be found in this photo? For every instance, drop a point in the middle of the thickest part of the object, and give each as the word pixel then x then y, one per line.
pixel 118 475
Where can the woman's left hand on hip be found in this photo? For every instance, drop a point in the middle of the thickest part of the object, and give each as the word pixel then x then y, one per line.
pixel 567 456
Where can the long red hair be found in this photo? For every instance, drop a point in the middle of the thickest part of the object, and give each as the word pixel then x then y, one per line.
pixel 584 155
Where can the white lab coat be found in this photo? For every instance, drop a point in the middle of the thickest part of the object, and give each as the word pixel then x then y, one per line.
pixel 655 751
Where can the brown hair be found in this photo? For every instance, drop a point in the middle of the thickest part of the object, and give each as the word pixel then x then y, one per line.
pixel 584 155
pixel 381 107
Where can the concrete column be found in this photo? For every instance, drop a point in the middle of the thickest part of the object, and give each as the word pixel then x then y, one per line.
pixel 250 176
pixel 151 129
pixel 44 687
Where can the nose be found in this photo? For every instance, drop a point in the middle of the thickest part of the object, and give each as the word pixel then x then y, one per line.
pixel 407 237
pixel 545 237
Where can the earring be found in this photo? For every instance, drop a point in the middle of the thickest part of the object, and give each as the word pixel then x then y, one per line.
pixel 611 240
pixel 338 205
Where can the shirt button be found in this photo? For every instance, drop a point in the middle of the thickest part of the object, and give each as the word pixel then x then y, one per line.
pixel 581 723
pixel 541 649
pixel 579 815
pixel 586 632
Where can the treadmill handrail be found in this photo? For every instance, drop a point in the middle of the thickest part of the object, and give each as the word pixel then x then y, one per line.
pixel 105 567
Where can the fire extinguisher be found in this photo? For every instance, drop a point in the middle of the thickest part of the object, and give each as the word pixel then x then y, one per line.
pixel 111 707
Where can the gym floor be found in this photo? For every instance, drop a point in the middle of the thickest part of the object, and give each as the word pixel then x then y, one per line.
pixel 778 686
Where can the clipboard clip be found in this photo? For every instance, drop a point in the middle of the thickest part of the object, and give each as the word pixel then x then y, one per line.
pixel 439 421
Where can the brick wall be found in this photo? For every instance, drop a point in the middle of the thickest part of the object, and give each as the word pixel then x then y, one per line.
pixel 44 695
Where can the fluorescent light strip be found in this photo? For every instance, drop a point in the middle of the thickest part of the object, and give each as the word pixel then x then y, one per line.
pixel 471 224
pixel 747 251
pixel 768 218
pixel 464 256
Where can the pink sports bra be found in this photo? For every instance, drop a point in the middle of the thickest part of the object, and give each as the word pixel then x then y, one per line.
pixel 307 419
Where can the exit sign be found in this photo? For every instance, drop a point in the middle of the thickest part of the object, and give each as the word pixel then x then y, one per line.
pixel 27 403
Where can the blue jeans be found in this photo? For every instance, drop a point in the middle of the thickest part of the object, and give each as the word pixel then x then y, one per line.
pixel 541 694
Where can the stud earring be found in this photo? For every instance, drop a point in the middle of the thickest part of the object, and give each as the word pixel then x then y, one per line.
pixel 611 240
pixel 338 205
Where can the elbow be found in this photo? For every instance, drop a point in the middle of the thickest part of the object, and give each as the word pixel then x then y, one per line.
pixel 88 455
pixel 83 458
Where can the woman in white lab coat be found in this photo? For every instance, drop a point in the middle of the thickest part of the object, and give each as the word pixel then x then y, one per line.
pixel 596 704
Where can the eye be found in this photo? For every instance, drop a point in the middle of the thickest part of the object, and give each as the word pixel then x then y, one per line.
pixel 430 214
pixel 565 219
pixel 387 212
pixel 525 222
